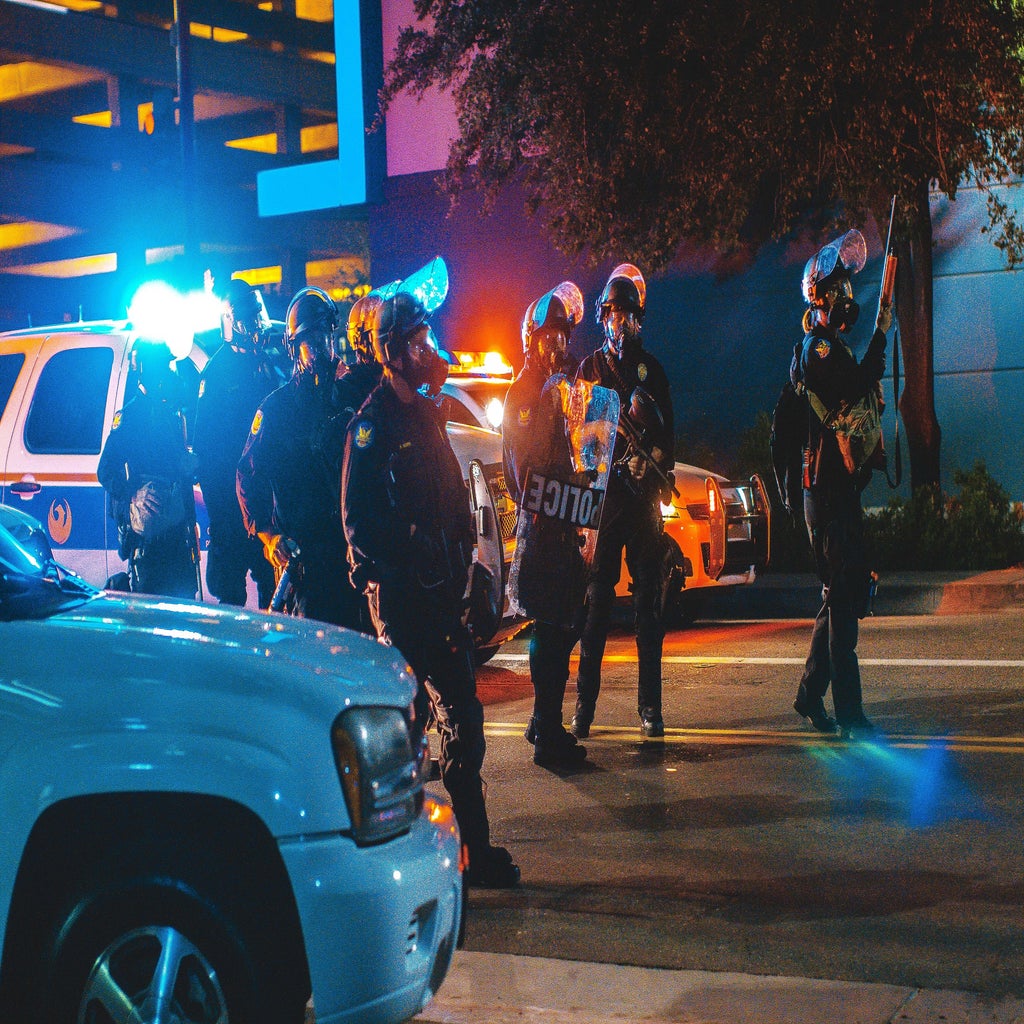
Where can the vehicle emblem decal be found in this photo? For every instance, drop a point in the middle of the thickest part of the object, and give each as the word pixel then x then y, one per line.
pixel 823 348
pixel 364 434
pixel 59 520
pixel 641 371
pixel 257 422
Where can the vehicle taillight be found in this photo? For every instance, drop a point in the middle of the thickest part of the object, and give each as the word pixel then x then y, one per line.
pixel 716 517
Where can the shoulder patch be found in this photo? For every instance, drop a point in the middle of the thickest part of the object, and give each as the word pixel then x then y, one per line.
pixel 202 387
pixel 363 434
pixel 117 420
pixel 524 415
pixel 641 372
pixel 257 422
pixel 823 348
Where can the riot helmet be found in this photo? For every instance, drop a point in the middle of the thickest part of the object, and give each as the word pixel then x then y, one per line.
pixel 310 327
pixel 620 310
pixel 360 323
pixel 548 324
pixel 151 361
pixel 404 343
pixel 402 339
pixel 244 320
pixel 826 283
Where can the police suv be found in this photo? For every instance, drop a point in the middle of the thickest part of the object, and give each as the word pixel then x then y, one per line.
pixel 209 814
pixel 59 389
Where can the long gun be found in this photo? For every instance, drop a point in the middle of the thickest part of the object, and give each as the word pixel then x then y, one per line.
pixel 889 270
pixel 635 437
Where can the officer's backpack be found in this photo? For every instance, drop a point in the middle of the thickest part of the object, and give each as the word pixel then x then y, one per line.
pixel 787 442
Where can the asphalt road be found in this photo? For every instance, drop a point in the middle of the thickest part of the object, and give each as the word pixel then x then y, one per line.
pixel 744 842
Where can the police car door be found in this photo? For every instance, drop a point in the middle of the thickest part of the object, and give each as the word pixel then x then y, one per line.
pixel 71 394
pixel 488 553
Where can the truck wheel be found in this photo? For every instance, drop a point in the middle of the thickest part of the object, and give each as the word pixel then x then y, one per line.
pixel 150 955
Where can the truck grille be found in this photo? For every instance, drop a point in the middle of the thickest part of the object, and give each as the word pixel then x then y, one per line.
pixel 503 504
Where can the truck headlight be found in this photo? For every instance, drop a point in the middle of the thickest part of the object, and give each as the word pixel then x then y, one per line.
pixel 380 776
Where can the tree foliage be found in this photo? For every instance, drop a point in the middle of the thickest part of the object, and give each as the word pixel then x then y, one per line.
pixel 637 126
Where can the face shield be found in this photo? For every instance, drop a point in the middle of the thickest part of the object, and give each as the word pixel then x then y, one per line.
pixel 422 366
pixel 621 332
pixel 245 324
pixel 314 354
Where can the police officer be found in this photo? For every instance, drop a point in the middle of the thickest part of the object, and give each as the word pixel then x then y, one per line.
pixel 632 514
pixel 147 470
pixel 550 576
pixel 352 387
pixel 406 514
pixel 824 365
pixel 234 383
pixel 285 487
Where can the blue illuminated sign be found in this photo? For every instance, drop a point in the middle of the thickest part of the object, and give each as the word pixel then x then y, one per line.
pixel 328 183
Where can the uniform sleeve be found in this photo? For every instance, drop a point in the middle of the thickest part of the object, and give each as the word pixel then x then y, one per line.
pixel 111 472
pixel 378 537
pixel 253 482
pixel 667 439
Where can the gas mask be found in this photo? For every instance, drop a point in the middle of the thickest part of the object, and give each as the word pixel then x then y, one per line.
pixel 621 334
pixel 314 356
pixel 842 309
pixel 548 346
pixel 423 369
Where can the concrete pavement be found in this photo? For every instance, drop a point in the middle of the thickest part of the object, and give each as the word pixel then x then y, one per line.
pixel 489 988
pixel 798 595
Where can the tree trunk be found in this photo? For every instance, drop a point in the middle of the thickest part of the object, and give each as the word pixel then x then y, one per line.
pixel 914 311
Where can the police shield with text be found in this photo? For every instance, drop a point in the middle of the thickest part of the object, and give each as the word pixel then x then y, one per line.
pixel 410 534
pixel 632 516
pixel 546 463
pixel 825 369
pixel 234 383
pixel 285 488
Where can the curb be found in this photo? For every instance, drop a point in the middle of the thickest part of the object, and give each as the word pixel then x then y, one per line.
pixel 491 988
pixel 798 595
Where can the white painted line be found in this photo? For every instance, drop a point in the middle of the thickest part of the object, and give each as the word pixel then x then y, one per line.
pixel 705 659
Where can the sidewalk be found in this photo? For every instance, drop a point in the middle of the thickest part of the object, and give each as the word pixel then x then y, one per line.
pixel 798 595
pixel 488 988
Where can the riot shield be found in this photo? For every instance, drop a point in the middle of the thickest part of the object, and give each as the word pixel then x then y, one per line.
pixel 562 501
pixel 485 590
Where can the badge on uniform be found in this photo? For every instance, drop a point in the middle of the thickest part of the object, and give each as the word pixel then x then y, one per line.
pixel 364 434
pixel 823 348
pixel 524 416
pixel 117 420
pixel 257 422
pixel 641 372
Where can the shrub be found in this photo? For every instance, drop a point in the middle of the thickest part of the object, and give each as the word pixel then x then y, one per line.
pixel 976 528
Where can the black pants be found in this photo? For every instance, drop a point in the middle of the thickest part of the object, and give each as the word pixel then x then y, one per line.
pixel 425 628
pixel 165 565
pixel 550 649
pixel 836 528
pixel 638 529
pixel 231 555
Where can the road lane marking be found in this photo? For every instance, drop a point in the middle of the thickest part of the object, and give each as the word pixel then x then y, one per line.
pixel 706 659
pixel 781 737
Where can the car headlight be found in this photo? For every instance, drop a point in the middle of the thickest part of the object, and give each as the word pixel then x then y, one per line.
pixel 380 776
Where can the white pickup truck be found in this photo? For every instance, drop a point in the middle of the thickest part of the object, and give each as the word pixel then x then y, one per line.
pixel 209 815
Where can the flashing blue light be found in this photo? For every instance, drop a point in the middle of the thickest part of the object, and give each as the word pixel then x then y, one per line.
pixel 160 312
